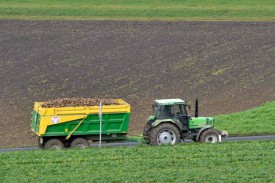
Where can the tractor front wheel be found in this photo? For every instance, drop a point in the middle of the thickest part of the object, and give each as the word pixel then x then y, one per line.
pixel 164 134
pixel 209 135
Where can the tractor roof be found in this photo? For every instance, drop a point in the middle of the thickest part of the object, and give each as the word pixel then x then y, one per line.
pixel 170 101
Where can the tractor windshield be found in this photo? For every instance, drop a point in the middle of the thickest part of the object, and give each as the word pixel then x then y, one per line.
pixel 169 111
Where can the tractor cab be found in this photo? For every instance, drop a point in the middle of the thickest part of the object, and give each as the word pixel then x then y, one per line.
pixel 174 109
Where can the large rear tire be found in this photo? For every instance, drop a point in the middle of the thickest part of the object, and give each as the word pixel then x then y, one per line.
pixel 164 134
pixel 80 143
pixel 54 144
pixel 146 133
pixel 210 135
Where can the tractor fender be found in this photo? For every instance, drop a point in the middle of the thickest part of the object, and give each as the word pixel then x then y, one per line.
pixel 159 121
pixel 201 130
pixel 151 120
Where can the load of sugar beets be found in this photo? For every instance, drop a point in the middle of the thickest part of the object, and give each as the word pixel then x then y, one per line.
pixel 74 122
pixel 77 102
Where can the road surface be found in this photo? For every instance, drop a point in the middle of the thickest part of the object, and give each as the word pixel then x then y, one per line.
pixel 246 138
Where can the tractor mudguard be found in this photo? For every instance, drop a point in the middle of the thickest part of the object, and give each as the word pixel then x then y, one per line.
pixel 151 120
pixel 159 121
pixel 222 132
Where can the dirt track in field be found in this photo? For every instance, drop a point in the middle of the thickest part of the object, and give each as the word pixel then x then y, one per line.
pixel 228 65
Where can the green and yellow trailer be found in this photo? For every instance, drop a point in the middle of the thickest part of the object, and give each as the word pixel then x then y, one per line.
pixel 78 126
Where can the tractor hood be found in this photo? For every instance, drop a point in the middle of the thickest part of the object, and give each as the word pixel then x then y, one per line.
pixel 200 122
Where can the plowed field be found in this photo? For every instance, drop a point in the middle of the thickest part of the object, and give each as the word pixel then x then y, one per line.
pixel 228 65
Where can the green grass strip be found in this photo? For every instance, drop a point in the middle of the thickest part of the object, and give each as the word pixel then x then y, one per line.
pixel 222 162
pixel 138 10
pixel 257 121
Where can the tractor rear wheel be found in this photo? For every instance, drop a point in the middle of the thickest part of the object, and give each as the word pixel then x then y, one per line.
pixel 146 131
pixel 210 135
pixel 164 134
pixel 54 144
pixel 80 143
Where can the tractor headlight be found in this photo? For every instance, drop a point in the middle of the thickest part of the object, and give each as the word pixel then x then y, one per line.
pixel 207 121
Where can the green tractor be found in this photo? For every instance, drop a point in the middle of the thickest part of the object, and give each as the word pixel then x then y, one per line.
pixel 171 123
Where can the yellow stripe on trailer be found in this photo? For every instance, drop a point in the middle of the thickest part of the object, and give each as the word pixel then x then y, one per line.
pixel 122 108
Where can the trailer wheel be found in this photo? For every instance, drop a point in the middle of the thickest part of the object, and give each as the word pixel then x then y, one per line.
pixel 40 145
pixel 80 143
pixel 54 144
pixel 164 134
pixel 210 135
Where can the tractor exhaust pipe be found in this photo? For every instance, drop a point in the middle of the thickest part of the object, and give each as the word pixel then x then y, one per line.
pixel 197 108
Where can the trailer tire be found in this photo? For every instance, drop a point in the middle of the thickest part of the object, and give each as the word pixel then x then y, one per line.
pixel 210 135
pixel 54 144
pixel 80 143
pixel 165 134
pixel 40 145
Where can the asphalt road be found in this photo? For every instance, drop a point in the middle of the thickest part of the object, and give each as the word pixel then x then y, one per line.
pixel 228 139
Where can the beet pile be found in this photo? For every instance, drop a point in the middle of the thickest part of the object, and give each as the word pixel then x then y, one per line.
pixel 76 102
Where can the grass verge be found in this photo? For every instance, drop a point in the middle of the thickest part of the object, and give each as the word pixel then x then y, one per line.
pixel 256 121
pixel 138 10
pixel 223 162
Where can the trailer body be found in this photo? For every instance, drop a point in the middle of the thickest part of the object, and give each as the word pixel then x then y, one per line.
pixel 83 121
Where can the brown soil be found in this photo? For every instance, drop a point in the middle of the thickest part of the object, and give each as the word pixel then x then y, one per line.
pixel 228 65
pixel 75 102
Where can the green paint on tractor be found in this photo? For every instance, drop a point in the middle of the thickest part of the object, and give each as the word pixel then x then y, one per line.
pixel 171 122
pixel 200 122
